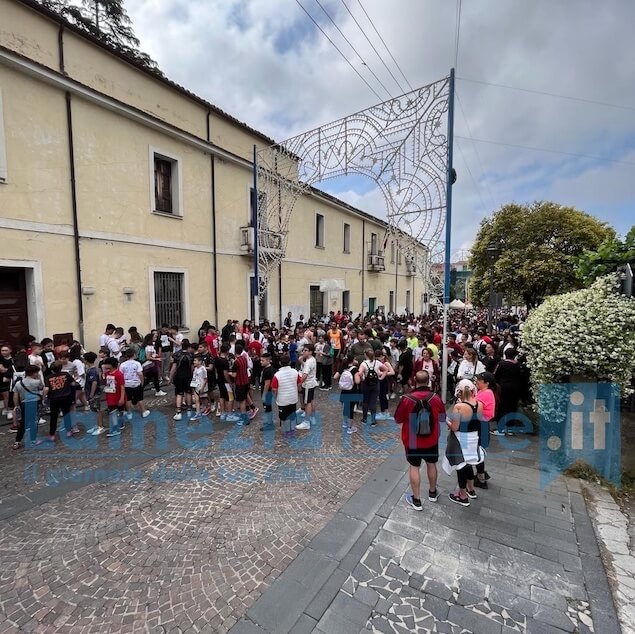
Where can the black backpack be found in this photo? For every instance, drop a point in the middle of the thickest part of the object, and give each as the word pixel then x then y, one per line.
pixel 371 377
pixel 421 415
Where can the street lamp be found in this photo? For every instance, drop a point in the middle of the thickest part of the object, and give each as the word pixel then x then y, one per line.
pixel 492 254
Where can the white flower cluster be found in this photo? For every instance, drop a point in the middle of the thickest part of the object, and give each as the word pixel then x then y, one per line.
pixel 590 332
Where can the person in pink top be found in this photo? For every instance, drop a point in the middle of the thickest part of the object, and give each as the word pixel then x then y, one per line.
pixel 486 395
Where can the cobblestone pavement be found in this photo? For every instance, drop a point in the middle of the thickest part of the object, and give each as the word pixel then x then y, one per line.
pixel 520 559
pixel 168 537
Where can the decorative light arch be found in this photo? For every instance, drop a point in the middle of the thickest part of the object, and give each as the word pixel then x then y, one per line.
pixel 402 144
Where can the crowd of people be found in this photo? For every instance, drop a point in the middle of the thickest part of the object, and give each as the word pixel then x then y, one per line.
pixel 229 372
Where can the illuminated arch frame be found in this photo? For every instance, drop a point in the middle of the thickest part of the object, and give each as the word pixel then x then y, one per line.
pixel 402 144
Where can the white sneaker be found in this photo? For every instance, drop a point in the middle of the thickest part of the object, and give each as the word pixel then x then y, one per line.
pixel 232 418
pixel 160 393
pixel 351 430
pixel 357 410
pixel 9 415
pixel 303 425
pixel 146 413
pixel 129 416
pixel 177 416
pixel 97 431
pixel 5 412
pixel 41 421
pixel 299 411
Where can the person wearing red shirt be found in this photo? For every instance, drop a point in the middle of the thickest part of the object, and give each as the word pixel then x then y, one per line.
pixel 240 375
pixel 115 394
pixel 420 448
pixel 211 339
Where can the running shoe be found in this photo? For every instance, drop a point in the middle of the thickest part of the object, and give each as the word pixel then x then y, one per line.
pixel 459 500
pixel 414 503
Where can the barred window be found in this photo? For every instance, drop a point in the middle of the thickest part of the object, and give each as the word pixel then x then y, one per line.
pixel 168 298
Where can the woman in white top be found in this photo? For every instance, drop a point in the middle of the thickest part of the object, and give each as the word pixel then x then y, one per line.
pixel 470 366
pixel 152 363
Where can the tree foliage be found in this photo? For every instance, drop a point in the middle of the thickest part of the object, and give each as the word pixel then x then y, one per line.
pixel 536 249
pixel 610 254
pixel 106 20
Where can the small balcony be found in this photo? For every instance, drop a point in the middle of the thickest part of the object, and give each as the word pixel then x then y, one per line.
pixel 270 241
pixel 375 262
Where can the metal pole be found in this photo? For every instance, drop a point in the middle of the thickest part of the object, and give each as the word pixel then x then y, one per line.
pixel 491 295
pixel 255 291
pixel 448 237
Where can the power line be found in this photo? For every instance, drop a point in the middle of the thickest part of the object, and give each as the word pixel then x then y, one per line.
pixel 549 94
pixel 542 149
pixel 457 34
pixel 478 156
pixel 339 50
pixel 384 43
pixel 328 15
pixel 469 171
pixel 381 59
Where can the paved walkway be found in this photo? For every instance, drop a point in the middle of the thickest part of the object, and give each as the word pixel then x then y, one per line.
pixel 519 559
pixel 162 537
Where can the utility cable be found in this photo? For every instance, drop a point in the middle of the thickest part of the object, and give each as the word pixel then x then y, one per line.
pixel 335 46
pixel 328 15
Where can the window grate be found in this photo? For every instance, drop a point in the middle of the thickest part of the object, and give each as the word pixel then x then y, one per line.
pixel 168 299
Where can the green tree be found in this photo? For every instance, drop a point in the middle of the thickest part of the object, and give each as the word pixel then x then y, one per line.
pixel 536 246
pixel 610 254
pixel 107 20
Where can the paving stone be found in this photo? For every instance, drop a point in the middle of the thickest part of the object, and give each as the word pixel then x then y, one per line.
pixel 395 572
pixel 557 618
pixel 366 595
pixel 326 594
pixel 548 598
pixel 349 608
pixel 305 625
pixel 472 621
pixel 438 589
pixel 382 606
pixel 538 627
pixel 438 607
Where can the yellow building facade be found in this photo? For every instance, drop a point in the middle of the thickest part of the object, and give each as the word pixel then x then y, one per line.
pixel 122 198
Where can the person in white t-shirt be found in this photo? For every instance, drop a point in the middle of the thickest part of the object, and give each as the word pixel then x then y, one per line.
pixel 133 384
pixel 103 338
pixel 309 383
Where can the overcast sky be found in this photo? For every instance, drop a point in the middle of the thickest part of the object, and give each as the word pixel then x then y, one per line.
pixel 266 63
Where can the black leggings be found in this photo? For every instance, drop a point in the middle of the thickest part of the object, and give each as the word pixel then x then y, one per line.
pixel 151 375
pixel 467 473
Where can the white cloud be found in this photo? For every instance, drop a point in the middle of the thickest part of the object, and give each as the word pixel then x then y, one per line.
pixel 265 63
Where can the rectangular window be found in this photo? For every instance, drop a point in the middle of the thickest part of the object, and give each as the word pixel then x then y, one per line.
pixel 391 302
pixel 316 301
pixel 319 230
pixel 373 244
pixel 169 296
pixel 3 149
pixel 407 301
pixel 166 184
pixel 347 238
pixel 346 301
pixel 392 252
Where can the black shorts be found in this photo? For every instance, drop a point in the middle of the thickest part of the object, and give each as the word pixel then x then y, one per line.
pixel 182 386
pixel 309 395
pixel 240 393
pixel 404 379
pixel 222 391
pixel 429 454
pixel 134 394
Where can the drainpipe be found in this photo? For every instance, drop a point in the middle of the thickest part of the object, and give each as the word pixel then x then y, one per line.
pixel 363 261
pixel 60 49
pixel 214 257
pixel 78 264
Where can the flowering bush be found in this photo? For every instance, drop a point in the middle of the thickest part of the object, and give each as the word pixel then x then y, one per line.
pixel 590 332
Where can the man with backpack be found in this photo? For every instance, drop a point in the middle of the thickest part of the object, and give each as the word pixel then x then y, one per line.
pixel 420 414
pixel 370 373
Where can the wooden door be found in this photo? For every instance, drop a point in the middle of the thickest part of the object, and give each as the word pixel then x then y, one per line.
pixel 14 316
